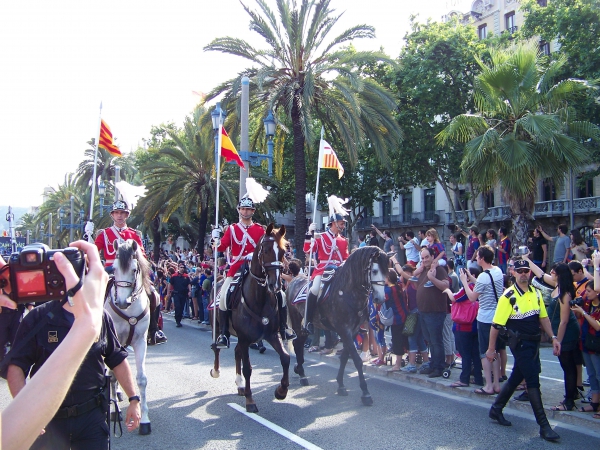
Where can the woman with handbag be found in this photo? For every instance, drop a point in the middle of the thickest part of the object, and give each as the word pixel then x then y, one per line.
pixel 564 326
pixel 464 313
pixel 590 336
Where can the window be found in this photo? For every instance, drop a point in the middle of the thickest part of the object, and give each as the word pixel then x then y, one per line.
pixel 482 31
pixel 509 22
pixel 488 198
pixel 548 190
pixel 429 200
pixel 407 207
pixel 462 199
pixel 386 208
pixel 544 48
pixel 542 3
pixel 584 188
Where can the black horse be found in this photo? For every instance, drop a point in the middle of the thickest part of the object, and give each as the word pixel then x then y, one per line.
pixel 344 309
pixel 256 316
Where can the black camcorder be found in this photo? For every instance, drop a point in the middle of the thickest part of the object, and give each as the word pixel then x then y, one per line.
pixel 34 276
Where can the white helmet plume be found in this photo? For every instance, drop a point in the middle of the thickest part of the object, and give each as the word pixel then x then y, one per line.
pixel 255 191
pixel 336 206
pixel 130 193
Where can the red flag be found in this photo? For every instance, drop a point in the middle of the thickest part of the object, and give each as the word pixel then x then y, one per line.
pixel 106 140
pixel 228 150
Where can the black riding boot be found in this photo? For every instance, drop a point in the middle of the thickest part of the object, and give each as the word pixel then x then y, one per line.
pixel 501 401
pixel 223 339
pixel 311 306
pixel 546 431
pixel 287 334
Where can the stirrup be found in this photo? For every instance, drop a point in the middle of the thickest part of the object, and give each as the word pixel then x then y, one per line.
pixel 288 334
pixel 222 341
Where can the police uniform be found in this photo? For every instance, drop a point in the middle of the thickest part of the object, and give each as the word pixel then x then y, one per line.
pixel 520 312
pixel 180 283
pixel 9 323
pixel 80 422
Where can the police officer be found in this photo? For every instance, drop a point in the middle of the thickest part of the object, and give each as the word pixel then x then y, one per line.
pixel 521 310
pixel 81 420
pixel 105 243
pixel 9 323
pixel 181 289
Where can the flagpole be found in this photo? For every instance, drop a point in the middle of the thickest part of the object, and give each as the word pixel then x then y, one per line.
pixel 91 229
pixel 216 270
pixel 312 239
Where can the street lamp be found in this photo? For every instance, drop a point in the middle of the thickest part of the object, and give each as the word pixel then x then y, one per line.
pixel 71 226
pixel 102 193
pixel 10 218
pixel 49 234
pixel 270 126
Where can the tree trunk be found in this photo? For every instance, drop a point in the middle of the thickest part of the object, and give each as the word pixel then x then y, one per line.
pixel 520 228
pixel 155 230
pixel 300 174
pixel 202 224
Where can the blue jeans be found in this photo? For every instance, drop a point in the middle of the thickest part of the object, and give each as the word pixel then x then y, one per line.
pixel 467 345
pixel 416 342
pixel 503 267
pixel 205 306
pixel 592 366
pixel 433 327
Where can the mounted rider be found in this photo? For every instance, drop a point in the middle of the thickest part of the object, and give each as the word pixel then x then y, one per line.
pixel 119 231
pixel 241 239
pixel 332 250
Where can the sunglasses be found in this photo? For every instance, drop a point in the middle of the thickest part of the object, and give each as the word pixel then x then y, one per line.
pixel 523 270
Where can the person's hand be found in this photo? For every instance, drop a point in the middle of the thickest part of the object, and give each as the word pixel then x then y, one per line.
pixel 577 309
pixel 596 259
pixel 5 301
pixel 134 415
pixel 312 227
pixel 526 256
pixel 544 264
pixel 555 347
pixel 88 302
pixel 463 276
pixel 215 233
pixel 490 354
pixel 215 242
pixel 248 257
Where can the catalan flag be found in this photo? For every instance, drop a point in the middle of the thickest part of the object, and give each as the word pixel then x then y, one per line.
pixel 106 140
pixel 228 150
pixel 328 159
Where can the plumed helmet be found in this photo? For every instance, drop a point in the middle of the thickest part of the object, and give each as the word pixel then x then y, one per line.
pixel 246 202
pixel 120 205
pixel 336 217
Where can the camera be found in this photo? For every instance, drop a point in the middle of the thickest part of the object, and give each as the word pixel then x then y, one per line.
pixel 522 250
pixel 596 231
pixel 34 276
pixel 577 301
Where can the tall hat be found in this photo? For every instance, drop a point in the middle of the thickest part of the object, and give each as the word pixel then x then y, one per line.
pixel 120 205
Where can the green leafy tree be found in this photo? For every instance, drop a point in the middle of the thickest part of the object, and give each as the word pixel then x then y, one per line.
pixel 523 128
pixel 302 75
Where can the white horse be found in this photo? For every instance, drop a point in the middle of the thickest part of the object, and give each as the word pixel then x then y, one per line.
pixel 128 305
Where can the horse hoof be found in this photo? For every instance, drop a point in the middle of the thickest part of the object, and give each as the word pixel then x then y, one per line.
pixel 252 408
pixel 242 392
pixel 145 429
pixel 120 396
pixel 342 391
pixel 367 400
pixel 304 381
pixel 279 396
pixel 214 373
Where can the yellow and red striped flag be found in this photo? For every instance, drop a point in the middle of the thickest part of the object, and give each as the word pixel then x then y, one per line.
pixel 228 150
pixel 106 140
pixel 328 159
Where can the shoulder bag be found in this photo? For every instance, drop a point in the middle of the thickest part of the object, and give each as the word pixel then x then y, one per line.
pixel 464 313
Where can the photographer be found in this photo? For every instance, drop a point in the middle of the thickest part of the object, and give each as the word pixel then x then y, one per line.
pixel 82 416
pixel 37 403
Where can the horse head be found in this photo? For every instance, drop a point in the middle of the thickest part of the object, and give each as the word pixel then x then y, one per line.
pixel 378 274
pixel 130 273
pixel 269 256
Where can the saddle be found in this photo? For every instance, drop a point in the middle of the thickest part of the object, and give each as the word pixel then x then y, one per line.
pixel 234 294
pixel 326 279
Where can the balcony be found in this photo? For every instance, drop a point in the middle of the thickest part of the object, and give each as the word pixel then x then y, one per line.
pixel 403 220
pixel 557 208
pixel 494 214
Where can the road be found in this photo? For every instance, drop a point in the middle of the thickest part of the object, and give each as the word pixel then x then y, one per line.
pixel 191 410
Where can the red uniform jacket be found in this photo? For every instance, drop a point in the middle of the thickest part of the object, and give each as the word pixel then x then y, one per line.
pixel 108 236
pixel 331 250
pixel 241 241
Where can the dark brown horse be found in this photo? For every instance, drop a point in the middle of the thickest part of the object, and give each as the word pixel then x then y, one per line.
pixel 344 310
pixel 256 316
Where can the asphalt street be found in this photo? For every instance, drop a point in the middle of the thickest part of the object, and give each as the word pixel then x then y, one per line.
pixel 191 410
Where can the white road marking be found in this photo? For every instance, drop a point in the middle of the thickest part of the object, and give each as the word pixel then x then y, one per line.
pixel 276 428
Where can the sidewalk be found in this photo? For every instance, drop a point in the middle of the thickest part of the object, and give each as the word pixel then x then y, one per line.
pixel 552 393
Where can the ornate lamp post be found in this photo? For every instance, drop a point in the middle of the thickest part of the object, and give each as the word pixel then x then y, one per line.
pixel 102 193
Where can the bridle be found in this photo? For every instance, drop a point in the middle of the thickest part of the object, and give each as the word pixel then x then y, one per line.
pixel 370 282
pixel 265 267
pixel 136 290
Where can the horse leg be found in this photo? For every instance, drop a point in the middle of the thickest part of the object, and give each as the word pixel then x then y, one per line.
pixel 140 347
pixel 214 372
pixel 358 363
pixel 238 371
pixel 299 350
pixel 281 390
pixel 247 371
pixel 340 376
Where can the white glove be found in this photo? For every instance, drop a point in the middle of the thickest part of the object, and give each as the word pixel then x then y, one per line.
pixel 312 227
pixel 216 233
pixel 215 242
pixel 248 257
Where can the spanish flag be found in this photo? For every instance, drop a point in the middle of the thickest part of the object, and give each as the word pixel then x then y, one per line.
pixel 106 140
pixel 328 159
pixel 228 150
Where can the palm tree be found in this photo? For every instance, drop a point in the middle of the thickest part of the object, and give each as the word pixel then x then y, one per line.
pixel 182 181
pixel 524 128
pixel 302 77
pixel 105 168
